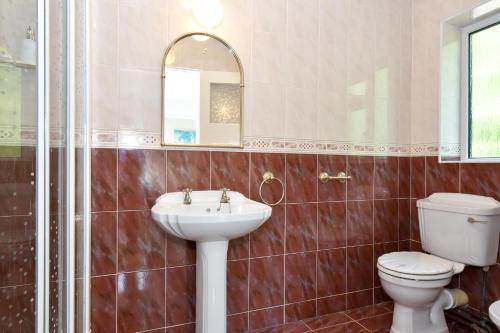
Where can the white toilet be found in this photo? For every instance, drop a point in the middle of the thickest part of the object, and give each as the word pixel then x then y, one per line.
pixel 457 230
pixel 494 313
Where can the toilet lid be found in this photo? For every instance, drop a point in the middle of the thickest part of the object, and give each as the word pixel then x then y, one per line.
pixel 416 265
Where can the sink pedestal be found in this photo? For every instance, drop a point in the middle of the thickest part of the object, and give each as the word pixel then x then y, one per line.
pixel 211 263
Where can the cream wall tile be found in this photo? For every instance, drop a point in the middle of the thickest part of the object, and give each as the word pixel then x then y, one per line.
pixel 313 68
pixel 332 116
pixel 267 110
pixel 139 100
pixel 269 17
pixel 268 63
pixel 302 63
pixel 301 112
pixel 302 19
pixel 105 105
pixel 105 32
pixel 142 33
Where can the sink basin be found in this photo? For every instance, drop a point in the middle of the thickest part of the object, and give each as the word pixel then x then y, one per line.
pixel 211 224
pixel 202 220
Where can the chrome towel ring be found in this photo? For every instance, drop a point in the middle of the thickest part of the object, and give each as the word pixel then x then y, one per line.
pixel 267 178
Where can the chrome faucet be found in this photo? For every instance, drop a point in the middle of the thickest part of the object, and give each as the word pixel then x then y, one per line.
pixel 187 196
pixel 225 198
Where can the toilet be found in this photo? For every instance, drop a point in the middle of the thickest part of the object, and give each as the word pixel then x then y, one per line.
pixel 455 230
pixel 494 313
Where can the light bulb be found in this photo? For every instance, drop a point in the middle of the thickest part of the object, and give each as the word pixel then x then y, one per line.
pixel 208 13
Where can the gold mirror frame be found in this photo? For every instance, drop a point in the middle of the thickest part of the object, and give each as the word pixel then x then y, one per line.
pixel 163 75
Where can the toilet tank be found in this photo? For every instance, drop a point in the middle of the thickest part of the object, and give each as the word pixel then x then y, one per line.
pixel 461 227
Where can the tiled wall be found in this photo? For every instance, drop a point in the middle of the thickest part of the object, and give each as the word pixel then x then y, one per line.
pixel 314 256
pixel 336 71
pixel 425 74
pixel 429 176
pixel 17 242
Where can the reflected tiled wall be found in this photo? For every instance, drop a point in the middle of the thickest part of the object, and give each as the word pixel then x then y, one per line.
pixel 316 254
pixel 17 242
pixel 429 176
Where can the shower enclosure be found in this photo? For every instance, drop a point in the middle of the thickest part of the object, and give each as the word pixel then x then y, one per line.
pixel 44 167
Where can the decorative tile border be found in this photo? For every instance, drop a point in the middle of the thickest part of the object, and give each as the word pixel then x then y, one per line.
pixel 151 140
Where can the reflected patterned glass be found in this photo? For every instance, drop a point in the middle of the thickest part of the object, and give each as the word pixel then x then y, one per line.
pixel 225 103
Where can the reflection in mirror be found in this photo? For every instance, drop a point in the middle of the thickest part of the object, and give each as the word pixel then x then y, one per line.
pixel 202 93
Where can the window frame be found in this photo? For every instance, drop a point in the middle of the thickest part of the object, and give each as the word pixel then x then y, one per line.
pixel 465 88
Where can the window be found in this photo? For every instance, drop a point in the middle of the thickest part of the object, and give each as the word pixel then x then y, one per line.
pixel 481 90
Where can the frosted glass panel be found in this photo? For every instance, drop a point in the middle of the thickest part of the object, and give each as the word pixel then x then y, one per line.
pixel 484 117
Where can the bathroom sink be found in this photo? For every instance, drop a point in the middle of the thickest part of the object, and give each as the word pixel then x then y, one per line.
pixel 205 219
pixel 202 217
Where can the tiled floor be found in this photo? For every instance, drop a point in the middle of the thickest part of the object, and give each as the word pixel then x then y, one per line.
pixel 373 318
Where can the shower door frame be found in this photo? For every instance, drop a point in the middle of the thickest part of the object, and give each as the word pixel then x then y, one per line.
pixel 42 295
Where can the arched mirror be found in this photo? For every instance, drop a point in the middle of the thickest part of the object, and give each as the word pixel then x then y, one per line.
pixel 202 93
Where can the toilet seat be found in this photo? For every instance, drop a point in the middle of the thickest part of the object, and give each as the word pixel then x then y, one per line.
pixel 417 266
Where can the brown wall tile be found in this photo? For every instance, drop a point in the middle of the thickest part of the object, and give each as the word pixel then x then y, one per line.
pixel 386 184
pixel 141 242
pixel 417 171
pixel 359 222
pixel 404 218
pixel 13 302
pixel 404 176
pixel 301 227
pixel 301 178
pixel 332 225
pixel 141 178
pixel 237 286
pixel 180 252
pixel 266 282
pixel 141 301
pixel 180 295
pixel 359 268
pixel 269 238
pixel 103 304
pixel 103 247
pixel 481 179
pixel 104 179
pixel 300 277
pixel 441 177
pixel 230 170
pixel 188 169
pixel 360 168
pixel 331 272
pixel 17 258
pixel 386 221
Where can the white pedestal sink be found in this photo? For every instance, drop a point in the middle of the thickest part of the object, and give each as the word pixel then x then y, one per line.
pixel 211 225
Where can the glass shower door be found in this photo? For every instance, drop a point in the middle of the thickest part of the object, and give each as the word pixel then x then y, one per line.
pixel 43 151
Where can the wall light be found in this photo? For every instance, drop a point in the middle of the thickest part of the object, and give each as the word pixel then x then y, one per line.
pixel 208 13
